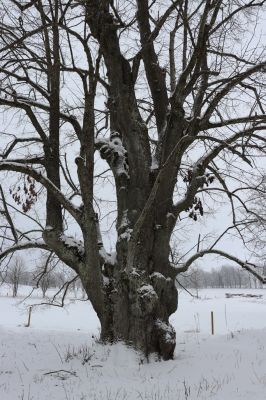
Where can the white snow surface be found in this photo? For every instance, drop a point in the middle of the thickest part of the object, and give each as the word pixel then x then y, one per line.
pixel 59 356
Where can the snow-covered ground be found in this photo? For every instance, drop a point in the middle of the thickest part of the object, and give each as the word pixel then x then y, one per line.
pixel 59 357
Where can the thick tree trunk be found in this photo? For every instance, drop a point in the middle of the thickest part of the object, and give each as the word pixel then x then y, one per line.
pixel 139 294
pixel 137 309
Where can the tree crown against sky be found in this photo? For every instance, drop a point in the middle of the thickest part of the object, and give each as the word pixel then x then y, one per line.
pixel 171 95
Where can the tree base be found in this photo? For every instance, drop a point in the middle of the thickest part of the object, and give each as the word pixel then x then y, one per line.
pixel 137 311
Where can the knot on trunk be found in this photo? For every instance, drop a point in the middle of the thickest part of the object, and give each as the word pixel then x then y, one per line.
pixel 147 299
pixel 113 151
pixel 166 338
pixel 166 291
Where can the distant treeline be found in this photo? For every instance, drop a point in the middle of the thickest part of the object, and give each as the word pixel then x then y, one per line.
pixel 197 278
pixel 42 277
pixel 224 277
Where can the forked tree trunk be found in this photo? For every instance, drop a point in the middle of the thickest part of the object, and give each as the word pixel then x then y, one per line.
pixel 139 294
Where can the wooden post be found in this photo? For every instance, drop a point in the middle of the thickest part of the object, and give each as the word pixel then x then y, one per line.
pixel 28 324
pixel 212 323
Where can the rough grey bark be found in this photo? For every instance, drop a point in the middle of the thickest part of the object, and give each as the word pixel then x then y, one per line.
pixel 138 302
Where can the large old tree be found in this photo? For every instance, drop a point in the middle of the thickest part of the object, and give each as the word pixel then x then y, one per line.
pixel 170 94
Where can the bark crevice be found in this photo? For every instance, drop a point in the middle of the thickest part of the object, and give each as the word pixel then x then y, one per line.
pixel 137 309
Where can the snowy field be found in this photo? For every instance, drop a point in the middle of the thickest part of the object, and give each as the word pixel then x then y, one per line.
pixel 59 357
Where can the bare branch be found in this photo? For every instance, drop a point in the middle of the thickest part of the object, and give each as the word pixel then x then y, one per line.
pixel 24 246
pixel 25 169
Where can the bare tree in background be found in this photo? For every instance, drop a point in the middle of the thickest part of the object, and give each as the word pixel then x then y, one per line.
pixel 15 275
pixel 46 280
pixel 46 283
pixel 44 275
pixel 171 94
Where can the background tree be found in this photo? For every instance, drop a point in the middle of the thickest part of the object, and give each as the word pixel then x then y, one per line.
pixel 15 274
pixel 43 275
pixel 171 94
pixel 45 283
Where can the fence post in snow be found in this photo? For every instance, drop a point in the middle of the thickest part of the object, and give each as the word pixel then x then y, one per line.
pixel 28 324
pixel 212 322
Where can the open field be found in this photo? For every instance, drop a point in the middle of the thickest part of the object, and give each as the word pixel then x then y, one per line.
pixel 59 357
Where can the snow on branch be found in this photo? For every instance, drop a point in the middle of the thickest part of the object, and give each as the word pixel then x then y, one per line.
pixel 113 151
pixel 71 243
pixel 68 249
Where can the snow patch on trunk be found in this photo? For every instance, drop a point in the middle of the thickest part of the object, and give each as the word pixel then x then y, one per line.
pixel 72 243
pixel 147 291
pixel 166 330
